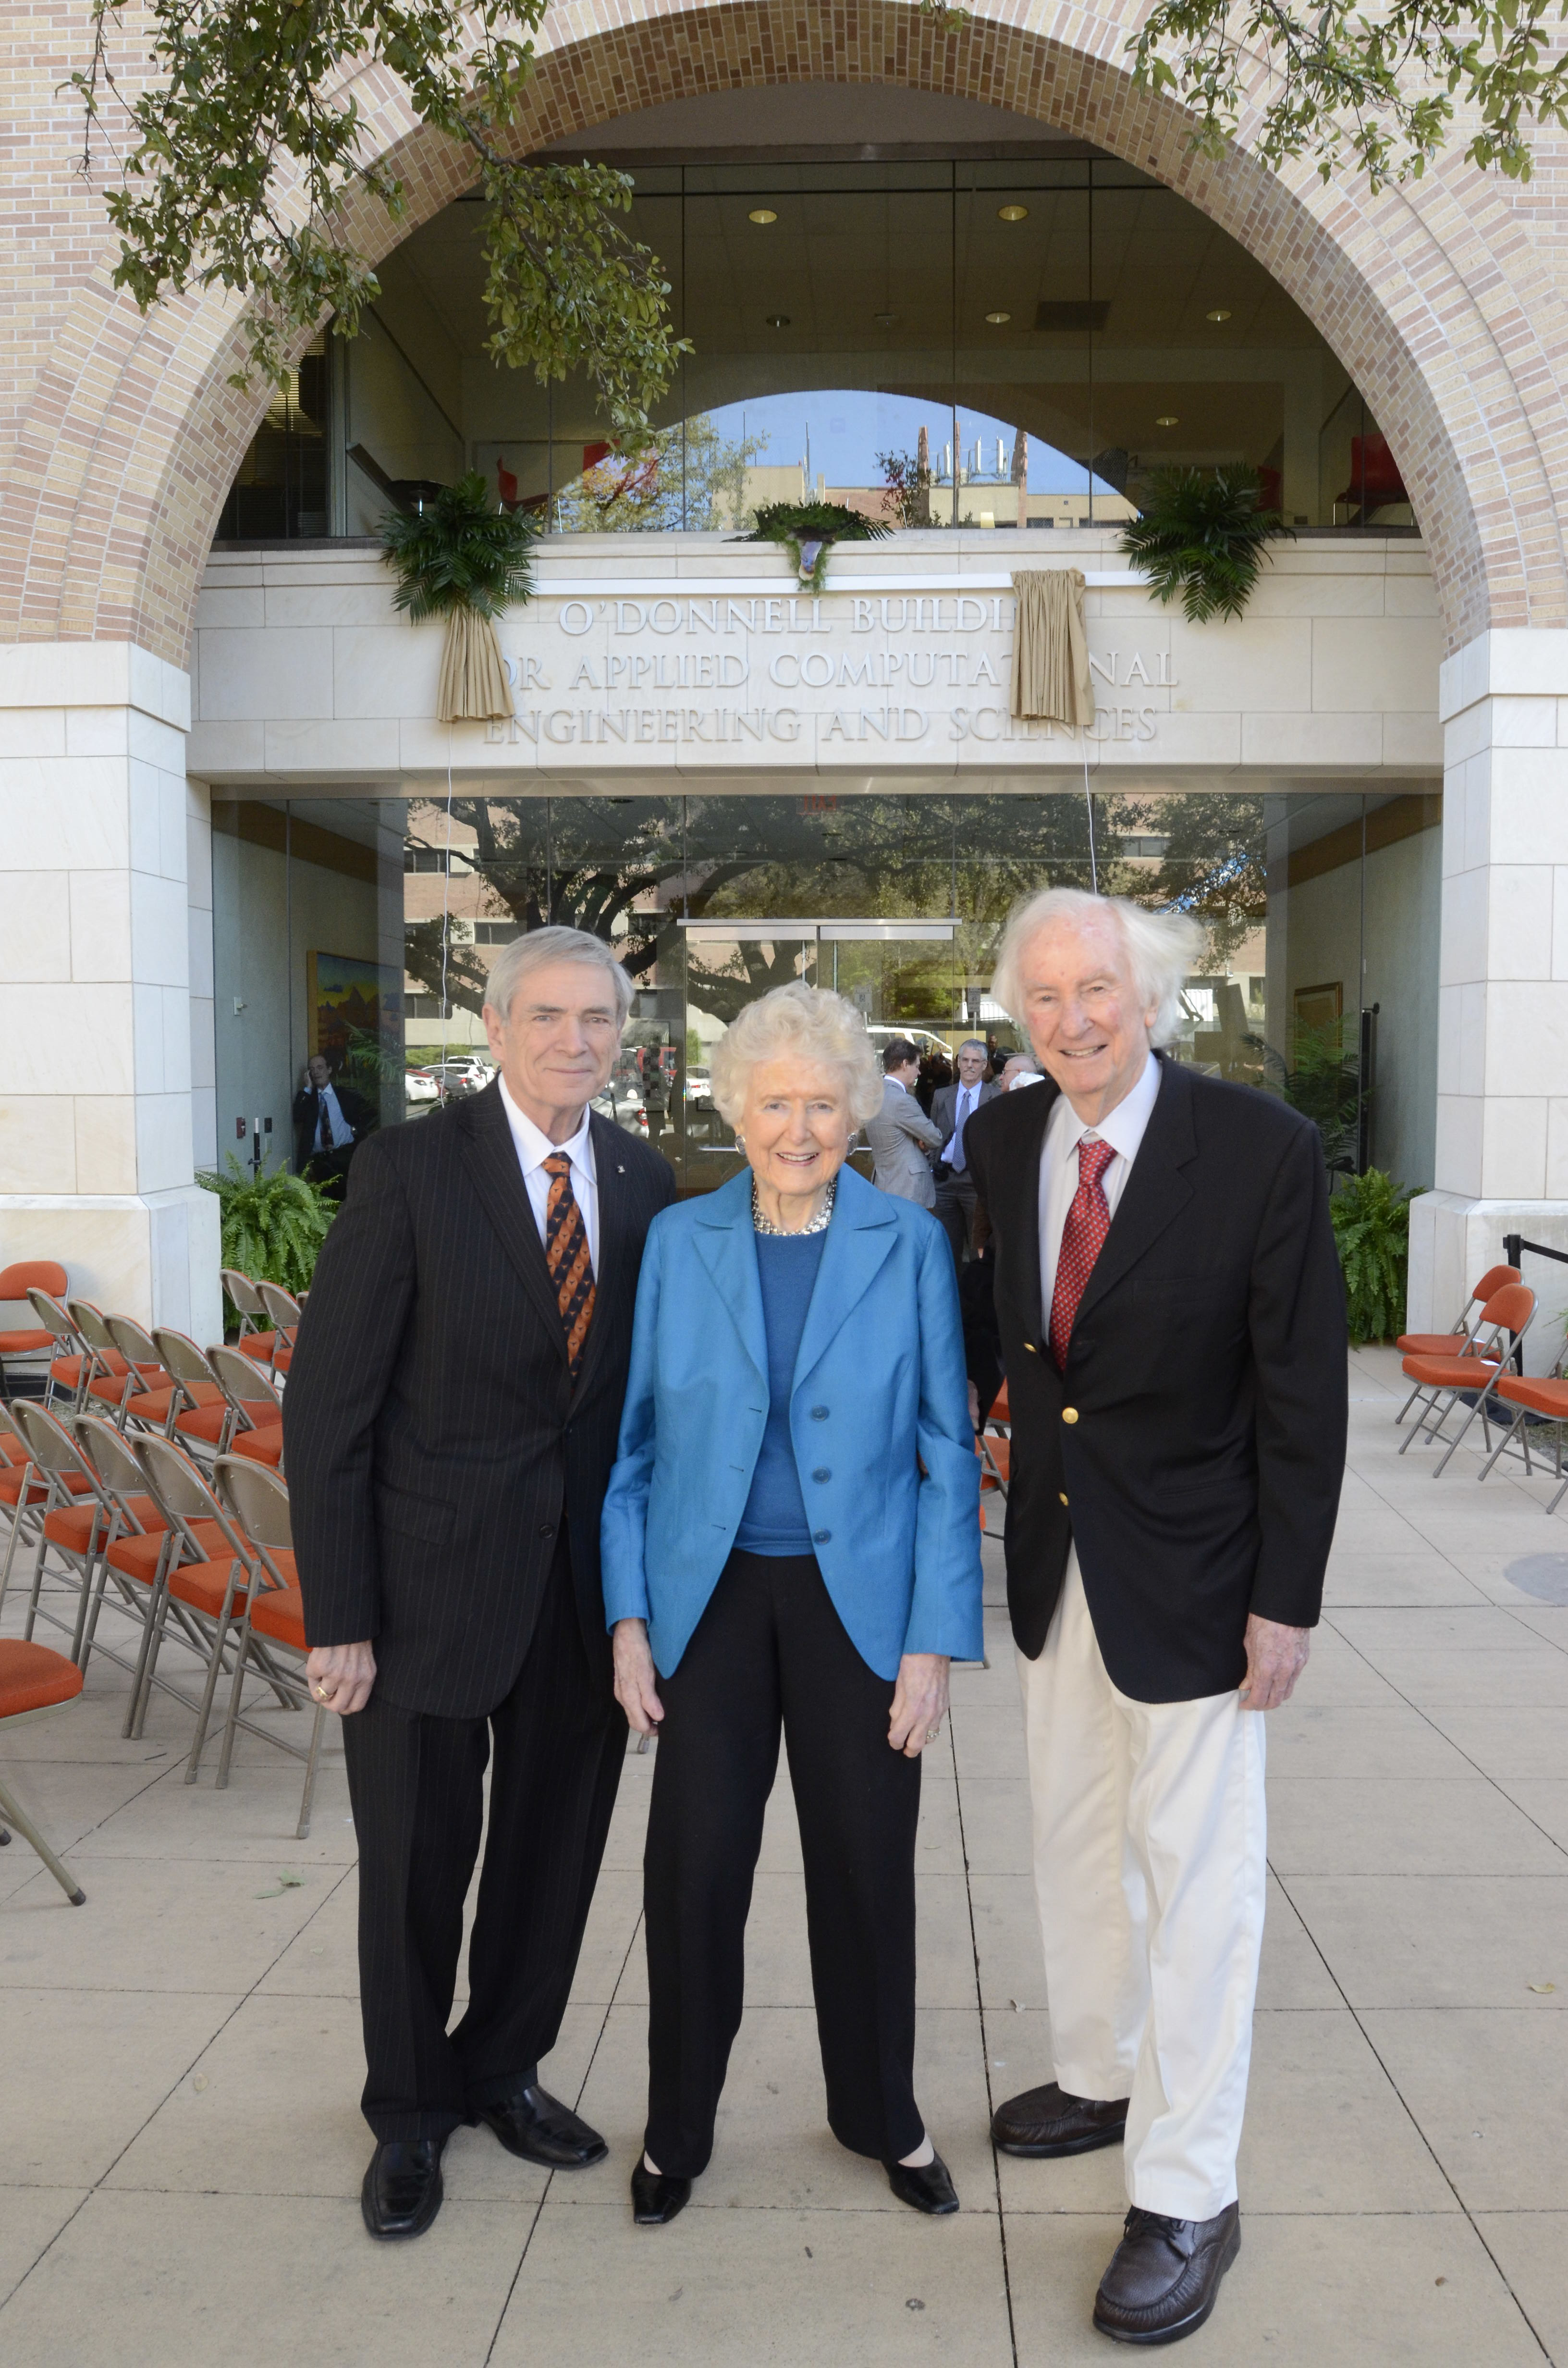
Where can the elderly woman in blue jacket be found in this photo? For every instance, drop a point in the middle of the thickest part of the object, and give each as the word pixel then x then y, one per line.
pixel 791 1540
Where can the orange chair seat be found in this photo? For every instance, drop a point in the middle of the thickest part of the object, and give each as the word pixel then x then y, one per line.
pixel 258 1345
pixel 203 1584
pixel 280 1611
pixel 207 1422
pixel 31 1678
pixel 11 1487
pixel 283 1360
pixel 1429 1344
pixel 138 1557
pixel 264 1446
pixel 23 1344
pixel 1452 1373
pixel 1542 1397
pixel 71 1526
pixel 12 1451
pixel 111 1391
pixel 154 1407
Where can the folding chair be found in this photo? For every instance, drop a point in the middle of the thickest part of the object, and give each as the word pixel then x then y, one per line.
pixel 1466 1325
pixel 258 1433
pixel 26 1345
pixel 73 1366
pixel 34 1683
pixel 132 1514
pixel 23 1492
pixel 123 1370
pixel 1442 1381
pixel 203 1579
pixel 244 1295
pixel 283 1312
pixel 203 1418
pixel 275 1615
pixel 71 1527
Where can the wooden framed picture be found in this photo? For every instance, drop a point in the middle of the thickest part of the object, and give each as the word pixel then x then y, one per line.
pixel 1320 1007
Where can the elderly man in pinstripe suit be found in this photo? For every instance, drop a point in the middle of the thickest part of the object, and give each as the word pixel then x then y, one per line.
pixel 450 1423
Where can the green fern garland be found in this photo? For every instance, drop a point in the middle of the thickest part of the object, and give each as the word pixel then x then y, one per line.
pixel 796 524
pixel 459 551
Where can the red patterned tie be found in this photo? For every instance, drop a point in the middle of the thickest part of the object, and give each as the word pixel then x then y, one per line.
pixel 566 1254
pixel 1089 1223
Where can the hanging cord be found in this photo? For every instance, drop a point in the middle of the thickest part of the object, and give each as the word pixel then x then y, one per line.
pixel 446 912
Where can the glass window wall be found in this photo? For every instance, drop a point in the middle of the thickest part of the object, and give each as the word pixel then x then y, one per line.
pixel 364 931
pixel 1008 344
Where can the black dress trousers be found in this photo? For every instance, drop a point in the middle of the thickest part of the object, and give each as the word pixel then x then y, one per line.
pixel 416 1785
pixel 771 1651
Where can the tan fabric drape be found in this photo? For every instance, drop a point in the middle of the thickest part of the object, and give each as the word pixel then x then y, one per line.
pixel 473 687
pixel 1050 649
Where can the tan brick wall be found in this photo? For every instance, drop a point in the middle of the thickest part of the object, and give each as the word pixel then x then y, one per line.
pixel 118 436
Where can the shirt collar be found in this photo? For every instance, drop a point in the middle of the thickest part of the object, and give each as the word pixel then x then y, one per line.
pixel 534 1146
pixel 898 1082
pixel 1124 1128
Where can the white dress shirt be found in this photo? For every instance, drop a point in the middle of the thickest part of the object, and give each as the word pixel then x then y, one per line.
pixel 337 1125
pixel 534 1148
pixel 1065 1131
pixel 964 1108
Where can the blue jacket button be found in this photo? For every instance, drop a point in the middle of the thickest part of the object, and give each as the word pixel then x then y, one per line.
pixel 819 1414
pixel 821 1473
pixel 821 1537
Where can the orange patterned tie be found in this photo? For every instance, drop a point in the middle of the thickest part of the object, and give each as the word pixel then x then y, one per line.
pixel 566 1254
pixel 1083 1237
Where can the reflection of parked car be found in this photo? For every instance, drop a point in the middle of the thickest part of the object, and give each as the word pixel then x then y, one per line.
pixel 419 1086
pixel 621 1101
pixel 698 1085
pixel 463 1073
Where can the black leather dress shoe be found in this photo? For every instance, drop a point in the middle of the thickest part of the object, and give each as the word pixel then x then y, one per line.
pixel 541 2129
pixel 1047 2122
pixel 927 2187
pixel 401 2192
pixel 1164 2275
pixel 656 2198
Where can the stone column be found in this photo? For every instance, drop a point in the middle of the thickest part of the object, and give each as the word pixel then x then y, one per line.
pixel 1502 1149
pixel 96 829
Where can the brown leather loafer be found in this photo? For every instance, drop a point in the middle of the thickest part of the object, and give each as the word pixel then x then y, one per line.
pixel 1164 2275
pixel 1048 2121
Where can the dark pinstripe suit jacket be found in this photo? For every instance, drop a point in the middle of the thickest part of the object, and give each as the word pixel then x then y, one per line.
pixel 433 1437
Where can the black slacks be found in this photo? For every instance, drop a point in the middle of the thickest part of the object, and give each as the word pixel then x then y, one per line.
pixel 769 1651
pixel 956 1201
pixel 416 1784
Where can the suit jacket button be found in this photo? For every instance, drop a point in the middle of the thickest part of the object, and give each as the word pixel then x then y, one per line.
pixel 546 1528
pixel 1069 1414
pixel 819 1414
pixel 821 1537
pixel 1063 1494
pixel 821 1473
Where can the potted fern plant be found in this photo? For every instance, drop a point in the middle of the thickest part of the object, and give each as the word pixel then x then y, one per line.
pixel 459 557
pixel 1203 534
pixel 1371 1214
pixel 809 530
pixel 272 1225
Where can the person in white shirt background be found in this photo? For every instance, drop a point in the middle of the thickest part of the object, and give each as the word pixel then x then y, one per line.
pixel 952 1107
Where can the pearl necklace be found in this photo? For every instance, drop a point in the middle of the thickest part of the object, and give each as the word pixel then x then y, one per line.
pixel 818 1224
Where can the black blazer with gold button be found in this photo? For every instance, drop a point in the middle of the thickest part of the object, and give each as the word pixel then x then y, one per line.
pixel 1194 1449
pixel 434 1439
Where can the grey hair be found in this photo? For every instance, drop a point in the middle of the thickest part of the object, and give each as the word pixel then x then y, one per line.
pixel 813 1024
pixel 520 957
pixel 1161 948
pixel 974 1044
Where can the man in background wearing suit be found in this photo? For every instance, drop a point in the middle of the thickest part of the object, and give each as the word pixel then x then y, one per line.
pixel 1173 1328
pixel 450 1423
pixel 329 1122
pixel 951 1108
pixel 901 1137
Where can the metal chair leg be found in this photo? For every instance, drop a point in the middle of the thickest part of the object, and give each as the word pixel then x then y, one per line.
pixel 302 1830
pixel 29 1832
pixel 232 1721
pixel 1503 1444
pixel 1458 1436
pixel 203 1716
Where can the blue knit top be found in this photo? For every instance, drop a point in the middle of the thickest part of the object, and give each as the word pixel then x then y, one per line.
pixel 775 1521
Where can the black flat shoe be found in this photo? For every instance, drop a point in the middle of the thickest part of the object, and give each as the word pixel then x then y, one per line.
pixel 539 2128
pixel 1164 2278
pixel 1045 2122
pixel 928 2187
pixel 403 2191
pixel 654 2198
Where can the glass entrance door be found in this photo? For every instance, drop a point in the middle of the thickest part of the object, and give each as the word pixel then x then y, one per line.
pixel 905 976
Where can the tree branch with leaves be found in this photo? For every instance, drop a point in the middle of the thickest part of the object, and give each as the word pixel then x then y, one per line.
pixel 246 152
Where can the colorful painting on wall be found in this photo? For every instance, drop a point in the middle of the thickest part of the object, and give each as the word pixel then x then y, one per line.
pixel 355 1010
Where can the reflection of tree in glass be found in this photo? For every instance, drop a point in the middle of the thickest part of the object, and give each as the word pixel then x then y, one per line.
pixel 1214 864
pixel 688 475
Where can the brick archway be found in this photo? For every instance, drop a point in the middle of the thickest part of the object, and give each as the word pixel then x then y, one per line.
pixel 1433 298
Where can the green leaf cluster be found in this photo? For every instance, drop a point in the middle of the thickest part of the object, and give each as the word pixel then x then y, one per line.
pixel 1374 89
pixel 459 551
pixel 1202 535
pixel 794 523
pixel 242 156
pixel 1371 1214
pixel 272 1224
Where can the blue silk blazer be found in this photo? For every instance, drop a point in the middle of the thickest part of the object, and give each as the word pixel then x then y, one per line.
pixel 878 1417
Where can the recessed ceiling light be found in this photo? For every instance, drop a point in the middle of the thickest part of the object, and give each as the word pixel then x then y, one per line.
pixel 885 320
pixel 1167 419
pixel 762 214
pixel 998 320
pixel 1219 313
pixel 779 320
pixel 1012 213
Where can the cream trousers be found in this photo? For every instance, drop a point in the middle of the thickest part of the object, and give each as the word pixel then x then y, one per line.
pixel 1150 1876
